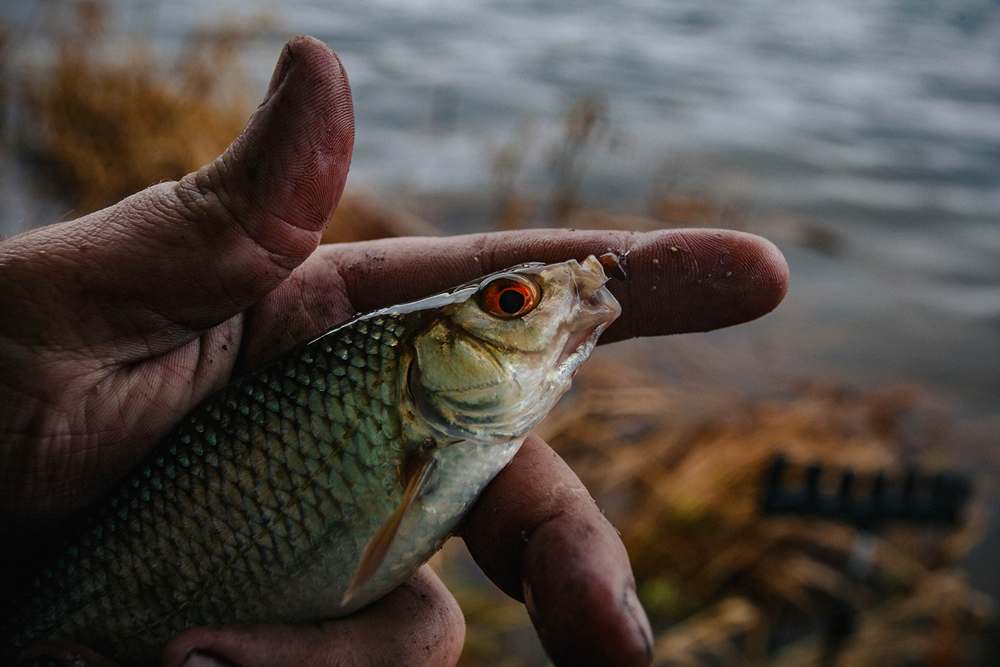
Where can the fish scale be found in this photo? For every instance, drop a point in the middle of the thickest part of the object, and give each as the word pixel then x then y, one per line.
pixel 322 481
pixel 237 499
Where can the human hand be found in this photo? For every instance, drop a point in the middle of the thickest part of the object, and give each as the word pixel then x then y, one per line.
pixel 118 323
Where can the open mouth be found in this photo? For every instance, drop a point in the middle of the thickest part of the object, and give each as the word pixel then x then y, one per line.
pixel 578 347
pixel 597 310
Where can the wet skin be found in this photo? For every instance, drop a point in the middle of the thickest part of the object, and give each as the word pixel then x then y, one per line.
pixel 116 324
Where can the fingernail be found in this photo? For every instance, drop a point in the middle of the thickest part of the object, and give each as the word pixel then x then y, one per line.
pixel 199 659
pixel 280 72
pixel 640 621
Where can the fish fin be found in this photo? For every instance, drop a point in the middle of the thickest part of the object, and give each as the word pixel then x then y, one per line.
pixel 378 545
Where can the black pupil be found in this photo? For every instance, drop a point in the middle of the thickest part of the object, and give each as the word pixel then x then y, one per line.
pixel 511 301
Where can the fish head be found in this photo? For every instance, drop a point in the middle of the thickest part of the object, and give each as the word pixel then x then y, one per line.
pixel 491 364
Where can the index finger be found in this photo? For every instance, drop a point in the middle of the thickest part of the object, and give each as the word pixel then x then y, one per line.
pixel 679 280
pixel 540 537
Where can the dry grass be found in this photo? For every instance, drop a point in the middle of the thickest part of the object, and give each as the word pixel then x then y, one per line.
pixel 684 491
pixel 585 123
pixel 584 130
pixel 107 128
pixel 728 632
pixel 682 486
pixel 940 623
pixel 361 217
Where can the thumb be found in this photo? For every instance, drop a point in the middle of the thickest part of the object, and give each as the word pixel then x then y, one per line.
pixel 177 258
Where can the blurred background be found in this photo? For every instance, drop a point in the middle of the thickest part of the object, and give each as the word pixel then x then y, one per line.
pixel 862 137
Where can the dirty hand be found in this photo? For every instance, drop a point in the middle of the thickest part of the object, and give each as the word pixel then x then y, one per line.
pixel 117 324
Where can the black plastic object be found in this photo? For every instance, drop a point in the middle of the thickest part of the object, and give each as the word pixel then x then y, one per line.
pixel 865 501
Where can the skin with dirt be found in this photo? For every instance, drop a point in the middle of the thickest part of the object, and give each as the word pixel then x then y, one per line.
pixel 329 474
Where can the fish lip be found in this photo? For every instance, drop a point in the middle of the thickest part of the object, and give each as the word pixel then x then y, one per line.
pixel 578 348
pixel 580 343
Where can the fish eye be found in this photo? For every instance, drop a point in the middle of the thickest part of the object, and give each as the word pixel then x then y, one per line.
pixel 508 297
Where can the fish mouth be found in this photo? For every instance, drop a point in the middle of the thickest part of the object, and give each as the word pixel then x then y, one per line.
pixel 598 312
pixel 578 348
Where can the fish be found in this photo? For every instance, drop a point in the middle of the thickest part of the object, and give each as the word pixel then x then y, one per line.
pixel 316 484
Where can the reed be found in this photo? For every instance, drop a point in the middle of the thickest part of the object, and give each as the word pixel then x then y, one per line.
pixel 107 127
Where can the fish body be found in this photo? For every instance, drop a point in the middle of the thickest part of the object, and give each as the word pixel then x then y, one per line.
pixel 320 482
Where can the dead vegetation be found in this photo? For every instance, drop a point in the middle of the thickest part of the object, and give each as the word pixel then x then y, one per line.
pixel 679 195
pixel 682 485
pixel 584 131
pixel 105 127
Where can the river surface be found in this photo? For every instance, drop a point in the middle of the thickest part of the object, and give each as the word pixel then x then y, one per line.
pixel 877 122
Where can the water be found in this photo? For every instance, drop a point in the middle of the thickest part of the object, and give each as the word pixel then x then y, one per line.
pixel 877 120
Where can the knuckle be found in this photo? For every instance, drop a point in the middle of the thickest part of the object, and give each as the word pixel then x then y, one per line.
pixel 202 195
pixel 209 198
pixel 437 634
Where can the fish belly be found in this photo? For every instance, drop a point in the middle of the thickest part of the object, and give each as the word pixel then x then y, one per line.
pixel 256 508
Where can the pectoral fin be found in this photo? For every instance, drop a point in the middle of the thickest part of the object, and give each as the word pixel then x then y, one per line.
pixel 379 544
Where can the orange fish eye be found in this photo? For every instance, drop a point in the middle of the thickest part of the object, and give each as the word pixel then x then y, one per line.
pixel 508 297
